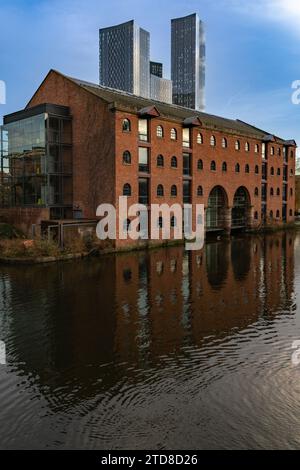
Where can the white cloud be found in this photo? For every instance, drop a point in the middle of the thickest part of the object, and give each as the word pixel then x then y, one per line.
pixel 285 13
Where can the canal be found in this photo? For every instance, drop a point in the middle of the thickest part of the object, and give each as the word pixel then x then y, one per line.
pixel 154 350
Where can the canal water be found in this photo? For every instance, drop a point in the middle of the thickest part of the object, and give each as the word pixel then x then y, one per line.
pixel 154 350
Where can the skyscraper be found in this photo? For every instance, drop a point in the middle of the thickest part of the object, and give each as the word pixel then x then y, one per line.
pixel 156 68
pixel 124 58
pixel 188 62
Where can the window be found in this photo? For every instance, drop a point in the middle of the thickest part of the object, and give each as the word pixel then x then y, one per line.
pixel 143 191
pixel 212 141
pixel 174 190
pixel 291 212
pixel 256 192
pixel 126 225
pixel 292 172
pixel 224 143
pixel 160 161
pixel 199 138
pixel 213 166
pixel 256 170
pixel 199 191
pixel 272 151
pixel 173 224
pixel 256 148
pixel 256 215
pixel 271 192
pixel 237 168
pixel 187 164
pixel 237 145
pixel 277 214
pixel 159 132
pixel 127 158
pixel 271 214
pixel 174 162
pixel 224 166
pixel 278 191
pixel 173 134
pixel 160 190
pixel 291 191
pixel 143 130
pixel 126 125
pixel 292 154
pixel 187 186
pixel 247 169
pixel 127 190
pixel 247 147
pixel 160 222
pixel 143 160
pixel 278 171
pixel 200 165
pixel 272 171
pixel 186 137
pixel 279 152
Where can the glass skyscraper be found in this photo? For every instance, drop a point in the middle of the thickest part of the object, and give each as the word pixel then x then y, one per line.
pixel 124 58
pixel 188 62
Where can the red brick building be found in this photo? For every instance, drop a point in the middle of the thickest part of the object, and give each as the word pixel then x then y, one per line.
pixel 119 144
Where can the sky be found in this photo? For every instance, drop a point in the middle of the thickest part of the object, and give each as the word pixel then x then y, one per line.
pixel 253 50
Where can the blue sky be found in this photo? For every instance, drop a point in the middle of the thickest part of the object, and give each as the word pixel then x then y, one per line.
pixel 253 50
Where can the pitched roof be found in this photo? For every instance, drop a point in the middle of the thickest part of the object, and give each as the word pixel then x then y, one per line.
pixel 133 103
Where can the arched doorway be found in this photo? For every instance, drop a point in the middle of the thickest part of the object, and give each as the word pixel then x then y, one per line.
pixel 216 209
pixel 241 208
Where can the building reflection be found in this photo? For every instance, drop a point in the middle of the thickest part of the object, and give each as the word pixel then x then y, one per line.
pixel 65 324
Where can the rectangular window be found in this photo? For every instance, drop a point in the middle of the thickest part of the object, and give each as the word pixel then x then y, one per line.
pixel 144 191
pixel 187 167
pixel 143 130
pixel 187 191
pixel 186 137
pixel 143 160
pixel 263 150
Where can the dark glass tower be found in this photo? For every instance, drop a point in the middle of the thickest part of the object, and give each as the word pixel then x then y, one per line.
pixel 124 58
pixel 188 62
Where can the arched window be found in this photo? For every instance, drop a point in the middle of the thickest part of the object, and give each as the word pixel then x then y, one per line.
pixel 237 145
pixel 237 168
pixel 213 166
pixel 256 170
pixel 224 143
pixel 160 222
pixel 271 214
pixel 256 148
pixel 279 152
pixel 278 191
pixel 174 162
pixel 291 191
pixel 224 167
pixel 159 131
pixel 278 171
pixel 199 138
pixel 272 151
pixel 127 190
pixel 247 147
pixel 256 215
pixel 213 141
pixel 174 190
pixel 200 165
pixel 256 192
pixel 160 190
pixel 127 158
pixel 247 168
pixel 199 191
pixel 277 214
pixel 126 125
pixel 173 134
pixel 272 171
pixel 271 192
pixel 160 161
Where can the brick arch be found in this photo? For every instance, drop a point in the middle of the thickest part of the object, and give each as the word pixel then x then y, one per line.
pixel 217 208
pixel 241 208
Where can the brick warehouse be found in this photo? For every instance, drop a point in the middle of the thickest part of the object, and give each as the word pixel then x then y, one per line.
pixel 77 145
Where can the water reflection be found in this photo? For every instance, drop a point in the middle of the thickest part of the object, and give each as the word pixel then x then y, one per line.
pixel 137 349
